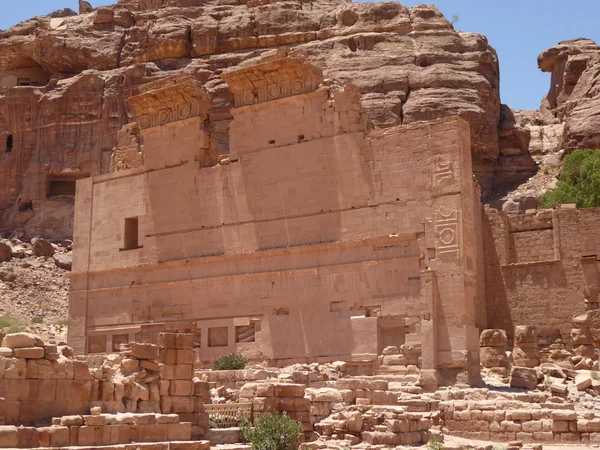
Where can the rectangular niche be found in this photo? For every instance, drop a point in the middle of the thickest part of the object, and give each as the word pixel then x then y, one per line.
pixel 97 344
pixel 118 340
pixel 245 333
pixel 61 187
pixel 217 337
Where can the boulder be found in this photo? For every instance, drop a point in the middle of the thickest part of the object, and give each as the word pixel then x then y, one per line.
pixel 41 247
pixel 5 252
pixel 20 340
pixel 524 377
pixel 583 381
pixel 64 261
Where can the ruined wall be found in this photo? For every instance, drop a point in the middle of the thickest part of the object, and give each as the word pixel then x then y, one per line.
pixel 317 231
pixel 541 268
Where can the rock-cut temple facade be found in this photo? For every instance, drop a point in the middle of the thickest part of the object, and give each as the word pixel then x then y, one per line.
pixel 317 238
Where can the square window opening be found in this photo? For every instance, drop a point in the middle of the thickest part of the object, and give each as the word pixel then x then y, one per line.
pixel 217 337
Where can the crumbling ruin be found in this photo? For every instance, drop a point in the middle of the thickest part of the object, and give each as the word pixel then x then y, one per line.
pixel 314 226
pixel 312 207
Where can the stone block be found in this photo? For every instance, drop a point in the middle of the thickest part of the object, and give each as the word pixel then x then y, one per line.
pixel 28 437
pixel 526 357
pixel 185 356
pixel 153 433
pixel 583 381
pixel 150 366
pixel 563 414
pixel 179 431
pixel 6 352
pixel 184 372
pixel 526 335
pixel 59 436
pixel 493 357
pixel 493 338
pixel 180 388
pixel 15 368
pixel 70 421
pixel 39 368
pixel 184 341
pixel 81 371
pixel 523 377
pixel 202 389
pixel 20 340
pixel 289 390
pixel 141 350
pixel 182 404
pixel 167 340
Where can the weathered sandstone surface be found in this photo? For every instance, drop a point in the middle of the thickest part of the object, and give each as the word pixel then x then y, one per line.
pixel 65 79
pixel 574 96
pixel 568 118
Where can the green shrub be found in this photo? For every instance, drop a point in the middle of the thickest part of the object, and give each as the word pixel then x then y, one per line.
pixel 273 432
pixel 579 181
pixel 245 431
pixel 235 361
pixel 435 444
pixel 37 319
pixel 10 325
pixel 62 322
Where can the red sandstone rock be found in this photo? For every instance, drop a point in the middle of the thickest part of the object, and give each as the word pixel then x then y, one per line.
pixel 574 95
pixel 409 64
pixel 523 377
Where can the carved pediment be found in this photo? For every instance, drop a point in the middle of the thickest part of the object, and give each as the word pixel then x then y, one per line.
pixel 279 75
pixel 169 100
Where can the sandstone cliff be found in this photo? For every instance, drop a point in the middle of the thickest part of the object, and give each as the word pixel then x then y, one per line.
pixel 568 118
pixel 574 96
pixel 64 81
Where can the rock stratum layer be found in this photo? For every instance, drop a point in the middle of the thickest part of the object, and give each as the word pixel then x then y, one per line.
pixel 65 78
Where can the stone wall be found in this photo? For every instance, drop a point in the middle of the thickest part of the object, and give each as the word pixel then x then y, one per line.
pixel 541 268
pixel 39 382
pixel 352 239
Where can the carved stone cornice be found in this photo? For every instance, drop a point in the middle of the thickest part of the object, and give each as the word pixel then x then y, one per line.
pixel 281 74
pixel 169 100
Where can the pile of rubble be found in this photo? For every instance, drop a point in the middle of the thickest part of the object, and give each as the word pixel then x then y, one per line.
pixel 33 286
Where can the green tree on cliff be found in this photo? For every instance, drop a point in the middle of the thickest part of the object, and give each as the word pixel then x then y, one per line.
pixel 579 181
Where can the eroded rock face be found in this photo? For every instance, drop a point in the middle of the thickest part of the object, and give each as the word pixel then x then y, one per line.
pixel 63 122
pixel 574 96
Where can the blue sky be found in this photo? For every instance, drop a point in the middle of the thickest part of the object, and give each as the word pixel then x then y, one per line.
pixel 518 30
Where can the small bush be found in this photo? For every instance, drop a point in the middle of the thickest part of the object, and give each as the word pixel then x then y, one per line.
pixel 245 431
pixel 594 375
pixel 37 319
pixel 579 181
pixel 435 444
pixel 274 432
pixel 10 325
pixel 62 322
pixel 235 361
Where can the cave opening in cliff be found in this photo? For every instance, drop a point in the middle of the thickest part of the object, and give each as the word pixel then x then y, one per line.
pixel 61 187
pixel 26 206
pixel 9 143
